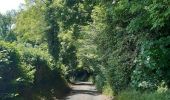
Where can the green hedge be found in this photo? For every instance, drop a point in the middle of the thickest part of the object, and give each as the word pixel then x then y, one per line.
pixel 152 65
pixel 25 71
pixel 11 74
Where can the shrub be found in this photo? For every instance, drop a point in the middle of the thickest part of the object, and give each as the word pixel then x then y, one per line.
pixel 42 72
pixel 137 95
pixel 99 82
pixel 24 72
pixel 152 65
pixel 10 72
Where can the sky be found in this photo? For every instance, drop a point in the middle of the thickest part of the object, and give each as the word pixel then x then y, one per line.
pixel 6 5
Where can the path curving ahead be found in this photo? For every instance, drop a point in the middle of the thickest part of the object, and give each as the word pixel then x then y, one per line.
pixel 85 91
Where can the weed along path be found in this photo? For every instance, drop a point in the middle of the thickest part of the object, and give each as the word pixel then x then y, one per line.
pixel 85 91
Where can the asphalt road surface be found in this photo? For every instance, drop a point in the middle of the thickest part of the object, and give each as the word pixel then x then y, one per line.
pixel 85 91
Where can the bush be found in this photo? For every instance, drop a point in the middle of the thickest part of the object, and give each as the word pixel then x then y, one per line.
pixel 24 72
pixel 42 72
pixel 136 95
pixel 10 72
pixel 99 82
pixel 152 65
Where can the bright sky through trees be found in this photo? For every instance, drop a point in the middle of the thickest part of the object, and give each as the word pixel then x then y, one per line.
pixel 6 5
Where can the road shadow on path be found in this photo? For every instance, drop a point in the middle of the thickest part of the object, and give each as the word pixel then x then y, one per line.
pixel 80 90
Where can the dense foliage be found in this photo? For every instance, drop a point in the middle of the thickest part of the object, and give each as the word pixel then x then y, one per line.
pixel 26 70
pixel 129 44
pixel 121 44
pixel 10 70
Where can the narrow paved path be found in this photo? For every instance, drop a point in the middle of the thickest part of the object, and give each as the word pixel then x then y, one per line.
pixel 85 91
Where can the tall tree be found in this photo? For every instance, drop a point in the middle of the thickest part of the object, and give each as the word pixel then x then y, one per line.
pixel 52 29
